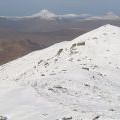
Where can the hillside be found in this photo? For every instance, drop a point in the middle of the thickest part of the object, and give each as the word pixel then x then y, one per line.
pixel 72 80
pixel 23 35
pixel 17 44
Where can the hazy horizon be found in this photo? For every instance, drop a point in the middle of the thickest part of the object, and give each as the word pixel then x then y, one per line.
pixel 29 7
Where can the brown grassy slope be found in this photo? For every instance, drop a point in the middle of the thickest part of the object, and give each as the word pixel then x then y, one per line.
pixel 16 44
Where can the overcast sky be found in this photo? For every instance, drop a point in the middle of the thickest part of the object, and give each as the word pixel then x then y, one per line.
pixel 28 7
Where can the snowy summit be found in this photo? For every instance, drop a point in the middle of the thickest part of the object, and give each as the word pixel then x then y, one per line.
pixel 75 80
pixel 45 14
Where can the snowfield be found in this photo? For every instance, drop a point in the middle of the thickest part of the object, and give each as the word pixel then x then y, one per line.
pixel 75 80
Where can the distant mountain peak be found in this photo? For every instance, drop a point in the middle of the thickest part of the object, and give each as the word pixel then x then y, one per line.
pixel 111 15
pixel 45 14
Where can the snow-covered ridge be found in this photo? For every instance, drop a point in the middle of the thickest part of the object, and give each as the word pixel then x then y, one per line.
pixel 48 15
pixel 71 80
pixel 104 32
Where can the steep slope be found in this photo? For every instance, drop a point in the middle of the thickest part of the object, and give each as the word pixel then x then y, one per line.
pixel 76 80
pixel 14 45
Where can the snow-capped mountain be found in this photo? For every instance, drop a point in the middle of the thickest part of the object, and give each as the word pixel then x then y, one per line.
pixel 48 15
pixel 76 80
pixel 45 14
pixel 108 16
pixel 47 21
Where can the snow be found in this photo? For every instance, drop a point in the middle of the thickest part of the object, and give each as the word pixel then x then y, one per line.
pixel 76 80
pixel 50 16
pixel 45 14
pixel 107 16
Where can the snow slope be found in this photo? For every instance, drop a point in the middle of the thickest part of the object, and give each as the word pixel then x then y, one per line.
pixel 76 80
